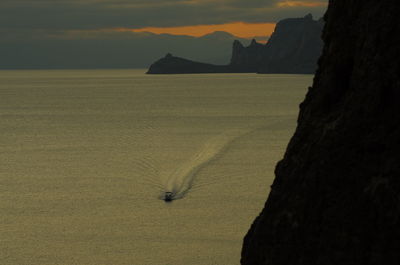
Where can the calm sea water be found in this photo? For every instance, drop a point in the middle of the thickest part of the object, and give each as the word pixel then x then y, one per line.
pixel 86 155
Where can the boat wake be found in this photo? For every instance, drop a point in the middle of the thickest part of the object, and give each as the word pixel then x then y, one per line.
pixel 179 183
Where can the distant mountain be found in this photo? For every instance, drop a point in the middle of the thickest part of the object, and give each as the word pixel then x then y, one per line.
pixel 294 47
pixel 219 36
pixel 110 50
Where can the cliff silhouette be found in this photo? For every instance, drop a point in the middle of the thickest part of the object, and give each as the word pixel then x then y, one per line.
pixel 246 59
pixel 176 65
pixel 335 199
pixel 294 47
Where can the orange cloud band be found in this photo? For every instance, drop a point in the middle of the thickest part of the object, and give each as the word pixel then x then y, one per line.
pixel 239 29
pixel 301 3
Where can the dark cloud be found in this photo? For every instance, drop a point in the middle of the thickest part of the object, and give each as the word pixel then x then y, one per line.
pixel 73 33
pixel 95 14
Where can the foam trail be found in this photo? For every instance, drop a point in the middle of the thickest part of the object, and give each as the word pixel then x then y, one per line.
pixel 181 180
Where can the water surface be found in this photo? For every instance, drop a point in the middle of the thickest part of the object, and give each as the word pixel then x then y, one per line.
pixel 85 155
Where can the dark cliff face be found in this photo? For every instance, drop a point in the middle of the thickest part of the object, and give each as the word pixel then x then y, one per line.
pixel 246 59
pixel 294 47
pixel 335 199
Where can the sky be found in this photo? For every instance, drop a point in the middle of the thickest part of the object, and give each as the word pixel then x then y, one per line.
pixel 242 18
pixel 60 34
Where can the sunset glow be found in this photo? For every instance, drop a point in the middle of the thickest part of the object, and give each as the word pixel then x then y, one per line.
pixel 239 29
pixel 300 4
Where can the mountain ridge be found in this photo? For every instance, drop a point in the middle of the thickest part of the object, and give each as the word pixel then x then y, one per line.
pixel 294 47
pixel 106 50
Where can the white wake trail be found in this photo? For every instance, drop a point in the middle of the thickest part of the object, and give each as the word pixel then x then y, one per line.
pixel 181 180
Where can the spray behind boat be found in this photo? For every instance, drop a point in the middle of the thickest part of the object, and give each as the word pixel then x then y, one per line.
pixel 181 180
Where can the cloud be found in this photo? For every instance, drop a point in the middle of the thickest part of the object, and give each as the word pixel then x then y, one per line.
pixel 98 14
pixel 301 4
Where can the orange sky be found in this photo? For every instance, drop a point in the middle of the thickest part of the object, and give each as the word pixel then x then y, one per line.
pixel 300 3
pixel 239 29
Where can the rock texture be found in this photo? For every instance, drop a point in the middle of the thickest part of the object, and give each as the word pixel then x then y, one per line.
pixel 175 65
pixel 336 196
pixel 293 48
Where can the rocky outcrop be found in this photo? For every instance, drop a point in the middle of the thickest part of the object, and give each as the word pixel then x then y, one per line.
pixel 293 48
pixel 335 199
pixel 246 59
pixel 175 65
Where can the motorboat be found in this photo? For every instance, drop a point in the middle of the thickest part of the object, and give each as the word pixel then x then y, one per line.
pixel 168 196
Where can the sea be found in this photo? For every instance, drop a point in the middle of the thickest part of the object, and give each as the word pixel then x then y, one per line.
pixel 86 157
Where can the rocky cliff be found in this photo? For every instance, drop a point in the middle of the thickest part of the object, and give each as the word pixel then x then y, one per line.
pixel 335 199
pixel 294 47
pixel 246 59
pixel 176 65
